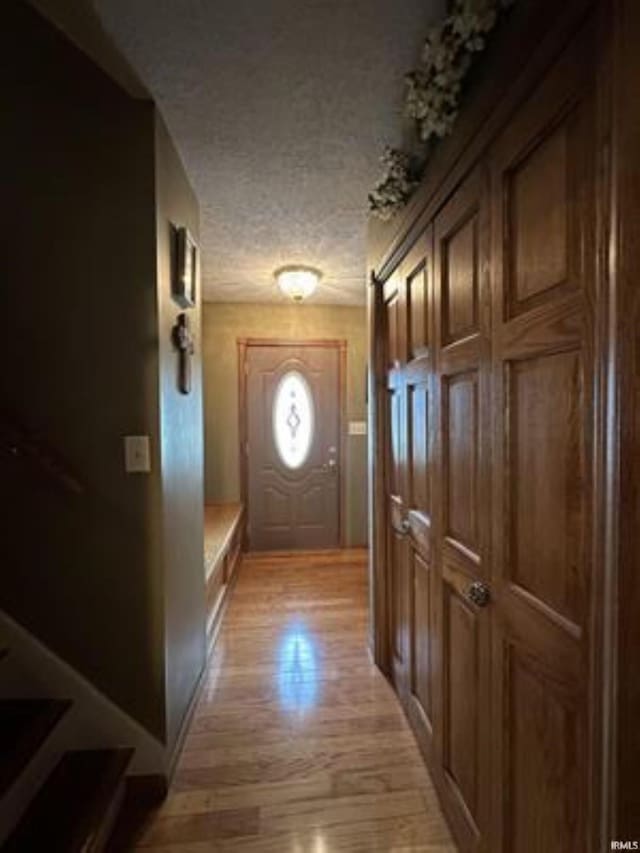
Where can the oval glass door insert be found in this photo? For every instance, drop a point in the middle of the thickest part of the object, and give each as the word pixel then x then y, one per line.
pixel 293 419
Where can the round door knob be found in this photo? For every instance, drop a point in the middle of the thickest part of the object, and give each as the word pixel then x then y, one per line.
pixel 479 593
pixel 405 525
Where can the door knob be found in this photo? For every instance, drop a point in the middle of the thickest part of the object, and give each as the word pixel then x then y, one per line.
pixel 405 525
pixel 479 593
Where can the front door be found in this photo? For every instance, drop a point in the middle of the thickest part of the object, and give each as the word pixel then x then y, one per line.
pixel 292 451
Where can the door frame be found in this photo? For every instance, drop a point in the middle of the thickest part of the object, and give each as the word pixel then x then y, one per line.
pixel 243 346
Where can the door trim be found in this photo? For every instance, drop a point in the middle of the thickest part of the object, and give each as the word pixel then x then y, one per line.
pixel 243 346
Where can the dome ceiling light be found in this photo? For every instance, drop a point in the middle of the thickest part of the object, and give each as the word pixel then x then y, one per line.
pixel 297 282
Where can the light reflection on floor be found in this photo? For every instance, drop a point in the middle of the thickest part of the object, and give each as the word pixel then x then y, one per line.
pixel 298 744
pixel 297 668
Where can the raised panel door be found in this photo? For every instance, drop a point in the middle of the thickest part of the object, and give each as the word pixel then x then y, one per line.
pixel 462 485
pixel 417 275
pixel 497 329
pixel 399 600
pixel 542 173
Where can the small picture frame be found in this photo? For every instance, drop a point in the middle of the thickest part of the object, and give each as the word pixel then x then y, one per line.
pixel 185 268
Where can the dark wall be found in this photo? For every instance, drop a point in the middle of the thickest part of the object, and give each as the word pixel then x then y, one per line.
pixel 81 24
pixel 80 362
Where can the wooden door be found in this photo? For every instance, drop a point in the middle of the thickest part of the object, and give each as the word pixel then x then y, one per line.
pixel 416 273
pixel 461 409
pixel 411 431
pixel 293 449
pixel 543 372
pixel 395 480
pixel 500 474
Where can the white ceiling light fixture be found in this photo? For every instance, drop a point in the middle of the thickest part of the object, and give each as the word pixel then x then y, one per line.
pixel 297 282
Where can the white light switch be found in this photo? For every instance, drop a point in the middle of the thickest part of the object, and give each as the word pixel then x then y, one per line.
pixel 357 427
pixel 137 458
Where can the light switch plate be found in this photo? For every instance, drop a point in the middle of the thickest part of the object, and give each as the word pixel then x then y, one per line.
pixel 357 427
pixel 137 458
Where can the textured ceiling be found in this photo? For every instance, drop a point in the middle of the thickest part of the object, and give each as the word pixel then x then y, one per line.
pixel 280 109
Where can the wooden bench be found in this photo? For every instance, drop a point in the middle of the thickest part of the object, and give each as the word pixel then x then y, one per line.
pixel 223 534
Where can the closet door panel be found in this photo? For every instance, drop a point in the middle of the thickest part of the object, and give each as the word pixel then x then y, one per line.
pixel 538 220
pixel 395 427
pixel 496 379
pixel 544 401
pixel 461 449
pixel 422 637
pixel 459 283
pixel 461 404
pixel 544 380
pixel 419 428
pixel 418 301
pixel 544 733
pixel 462 700
pixel 398 580
pixel 399 602
pixel 417 271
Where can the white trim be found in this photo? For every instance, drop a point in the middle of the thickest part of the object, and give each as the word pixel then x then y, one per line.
pixel 93 721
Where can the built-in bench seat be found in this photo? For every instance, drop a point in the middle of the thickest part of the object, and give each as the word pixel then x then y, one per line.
pixel 223 534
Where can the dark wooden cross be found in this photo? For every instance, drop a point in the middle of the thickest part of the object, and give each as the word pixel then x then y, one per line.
pixel 183 342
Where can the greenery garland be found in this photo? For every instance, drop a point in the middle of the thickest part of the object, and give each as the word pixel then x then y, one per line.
pixel 433 94
pixel 397 186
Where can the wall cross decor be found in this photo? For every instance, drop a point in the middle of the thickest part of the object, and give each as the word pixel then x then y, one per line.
pixel 183 341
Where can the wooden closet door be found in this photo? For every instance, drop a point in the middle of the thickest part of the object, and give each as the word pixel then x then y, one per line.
pixel 395 478
pixel 543 241
pixel 417 277
pixel 462 408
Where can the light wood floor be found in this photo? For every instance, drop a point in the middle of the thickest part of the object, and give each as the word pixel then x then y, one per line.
pixel 298 744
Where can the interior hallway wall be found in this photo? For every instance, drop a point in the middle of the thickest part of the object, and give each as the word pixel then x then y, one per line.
pixel 182 451
pixel 223 324
pixel 110 580
pixel 80 275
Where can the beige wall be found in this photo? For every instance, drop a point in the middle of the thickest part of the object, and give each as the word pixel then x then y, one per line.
pixel 182 453
pixel 223 324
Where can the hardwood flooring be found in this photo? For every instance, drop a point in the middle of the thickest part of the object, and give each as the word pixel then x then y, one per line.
pixel 298 744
